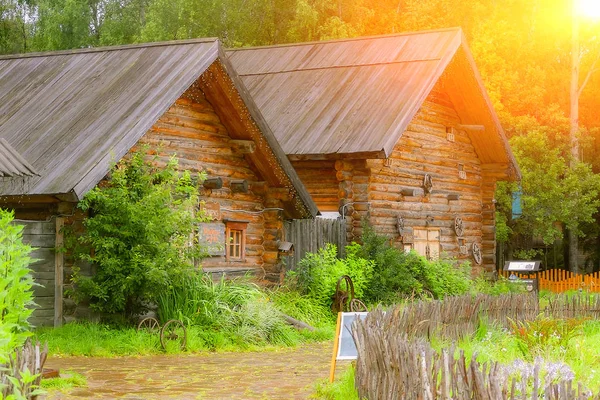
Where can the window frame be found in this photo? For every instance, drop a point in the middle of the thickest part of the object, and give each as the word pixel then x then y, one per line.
pixel 230 228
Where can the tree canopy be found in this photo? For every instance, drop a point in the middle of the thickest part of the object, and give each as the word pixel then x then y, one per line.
pixel 522 49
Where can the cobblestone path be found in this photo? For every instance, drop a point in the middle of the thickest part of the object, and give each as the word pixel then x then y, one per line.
pixel 284 374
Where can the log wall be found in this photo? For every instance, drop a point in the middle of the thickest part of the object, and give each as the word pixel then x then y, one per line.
pixel 424 148
pixel 192 131
pixel 378 190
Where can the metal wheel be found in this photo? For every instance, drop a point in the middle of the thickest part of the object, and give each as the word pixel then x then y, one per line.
pixel 357 305
pixel 344 293
pixel 173 331
pixel 149 324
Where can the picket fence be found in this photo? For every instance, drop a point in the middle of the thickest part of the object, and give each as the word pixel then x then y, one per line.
pixel 559 281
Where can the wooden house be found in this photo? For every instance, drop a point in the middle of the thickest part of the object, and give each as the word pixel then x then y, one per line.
pixel 397 130
pixel 65 117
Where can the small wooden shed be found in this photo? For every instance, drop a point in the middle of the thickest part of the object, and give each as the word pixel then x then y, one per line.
pixel 65 117
pixel 397 130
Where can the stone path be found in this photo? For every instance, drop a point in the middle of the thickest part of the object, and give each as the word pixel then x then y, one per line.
pixel 283 374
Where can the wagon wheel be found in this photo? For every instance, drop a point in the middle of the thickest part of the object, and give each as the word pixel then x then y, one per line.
pixel 343 296
pixel 149 324
pixel 459 226
pixel 357 305
pixel 173 331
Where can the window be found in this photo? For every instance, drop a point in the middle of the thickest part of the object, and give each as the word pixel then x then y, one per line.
pixel 235 236
pixel 427 242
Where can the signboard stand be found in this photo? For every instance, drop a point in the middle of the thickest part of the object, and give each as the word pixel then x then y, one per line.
pixel 344 347
pixel 336 344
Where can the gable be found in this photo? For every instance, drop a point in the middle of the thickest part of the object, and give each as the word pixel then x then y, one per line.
pixel 355 97
pixel 72 114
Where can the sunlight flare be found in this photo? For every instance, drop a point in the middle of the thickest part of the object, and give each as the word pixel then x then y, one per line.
pixel 588 8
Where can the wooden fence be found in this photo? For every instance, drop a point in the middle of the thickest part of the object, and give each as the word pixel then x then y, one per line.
pixel 395 362
pixel 28 359
pixel 394 368
pixel 458 316
pixel 559 281
pixel 309 235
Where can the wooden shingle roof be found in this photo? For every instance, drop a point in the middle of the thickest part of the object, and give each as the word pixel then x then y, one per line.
pixel 72 114
pixel 357 96
pixel 11 162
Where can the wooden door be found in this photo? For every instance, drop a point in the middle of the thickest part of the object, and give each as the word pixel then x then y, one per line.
pixel 427 242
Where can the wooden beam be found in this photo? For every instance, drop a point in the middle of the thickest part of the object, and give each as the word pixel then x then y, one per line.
pixel 239 186
pixel 471 127
pixel 70 197
pixel 58 273
pixel 243 146
pixel 213 183
pixel 338 156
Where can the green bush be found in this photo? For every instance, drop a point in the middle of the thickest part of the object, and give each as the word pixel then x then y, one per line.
pixel 16 285
pixel 137 235
pixel 317 273
pixel 398 274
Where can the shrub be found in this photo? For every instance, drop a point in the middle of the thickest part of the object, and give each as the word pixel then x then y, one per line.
pixel 398 273
pixel 317 273
pixel 137 234
pixel 16 285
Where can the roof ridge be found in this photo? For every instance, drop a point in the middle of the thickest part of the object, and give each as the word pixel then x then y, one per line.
pixel 107 48
pixel 354 39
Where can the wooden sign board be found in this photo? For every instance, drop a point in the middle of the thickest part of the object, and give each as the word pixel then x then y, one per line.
pixel 522 266
pixel 344 347
pixel 212 210
pixel 212 237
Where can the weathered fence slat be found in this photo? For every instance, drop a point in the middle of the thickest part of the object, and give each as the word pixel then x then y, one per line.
pixel 309 235
pixel 396 362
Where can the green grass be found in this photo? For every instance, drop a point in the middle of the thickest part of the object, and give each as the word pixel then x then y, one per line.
pixel 341 389
pixel 67 380
pixel 581 353
pixel 98 340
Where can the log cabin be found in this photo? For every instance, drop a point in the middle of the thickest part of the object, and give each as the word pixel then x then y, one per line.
pixel 65 117
pixel 396 130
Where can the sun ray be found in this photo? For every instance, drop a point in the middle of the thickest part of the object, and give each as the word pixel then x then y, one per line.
pixel 588 8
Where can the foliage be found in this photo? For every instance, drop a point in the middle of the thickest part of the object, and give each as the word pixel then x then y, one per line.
pixel 16 284
pixel 399 274
pixel 341 389
pixel 137 234
pixel 496 288
pixel 67 380
pixel 544 332
pixel 552 192
pixel 318 273
pixel 302 307
pixel 237 309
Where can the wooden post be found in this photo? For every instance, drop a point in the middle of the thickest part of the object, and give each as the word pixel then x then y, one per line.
pixel 58 273
pixel 336 345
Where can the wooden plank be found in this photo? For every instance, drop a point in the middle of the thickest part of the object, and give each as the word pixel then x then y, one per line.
pixel 59 273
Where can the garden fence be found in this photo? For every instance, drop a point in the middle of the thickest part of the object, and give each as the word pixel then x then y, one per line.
pixel 394 361
pixel 559 281
pixel 28 359
pixel 390 367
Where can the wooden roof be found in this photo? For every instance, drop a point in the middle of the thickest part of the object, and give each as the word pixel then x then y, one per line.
pixel 11 162
pixel 357 96
pixel 72 114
